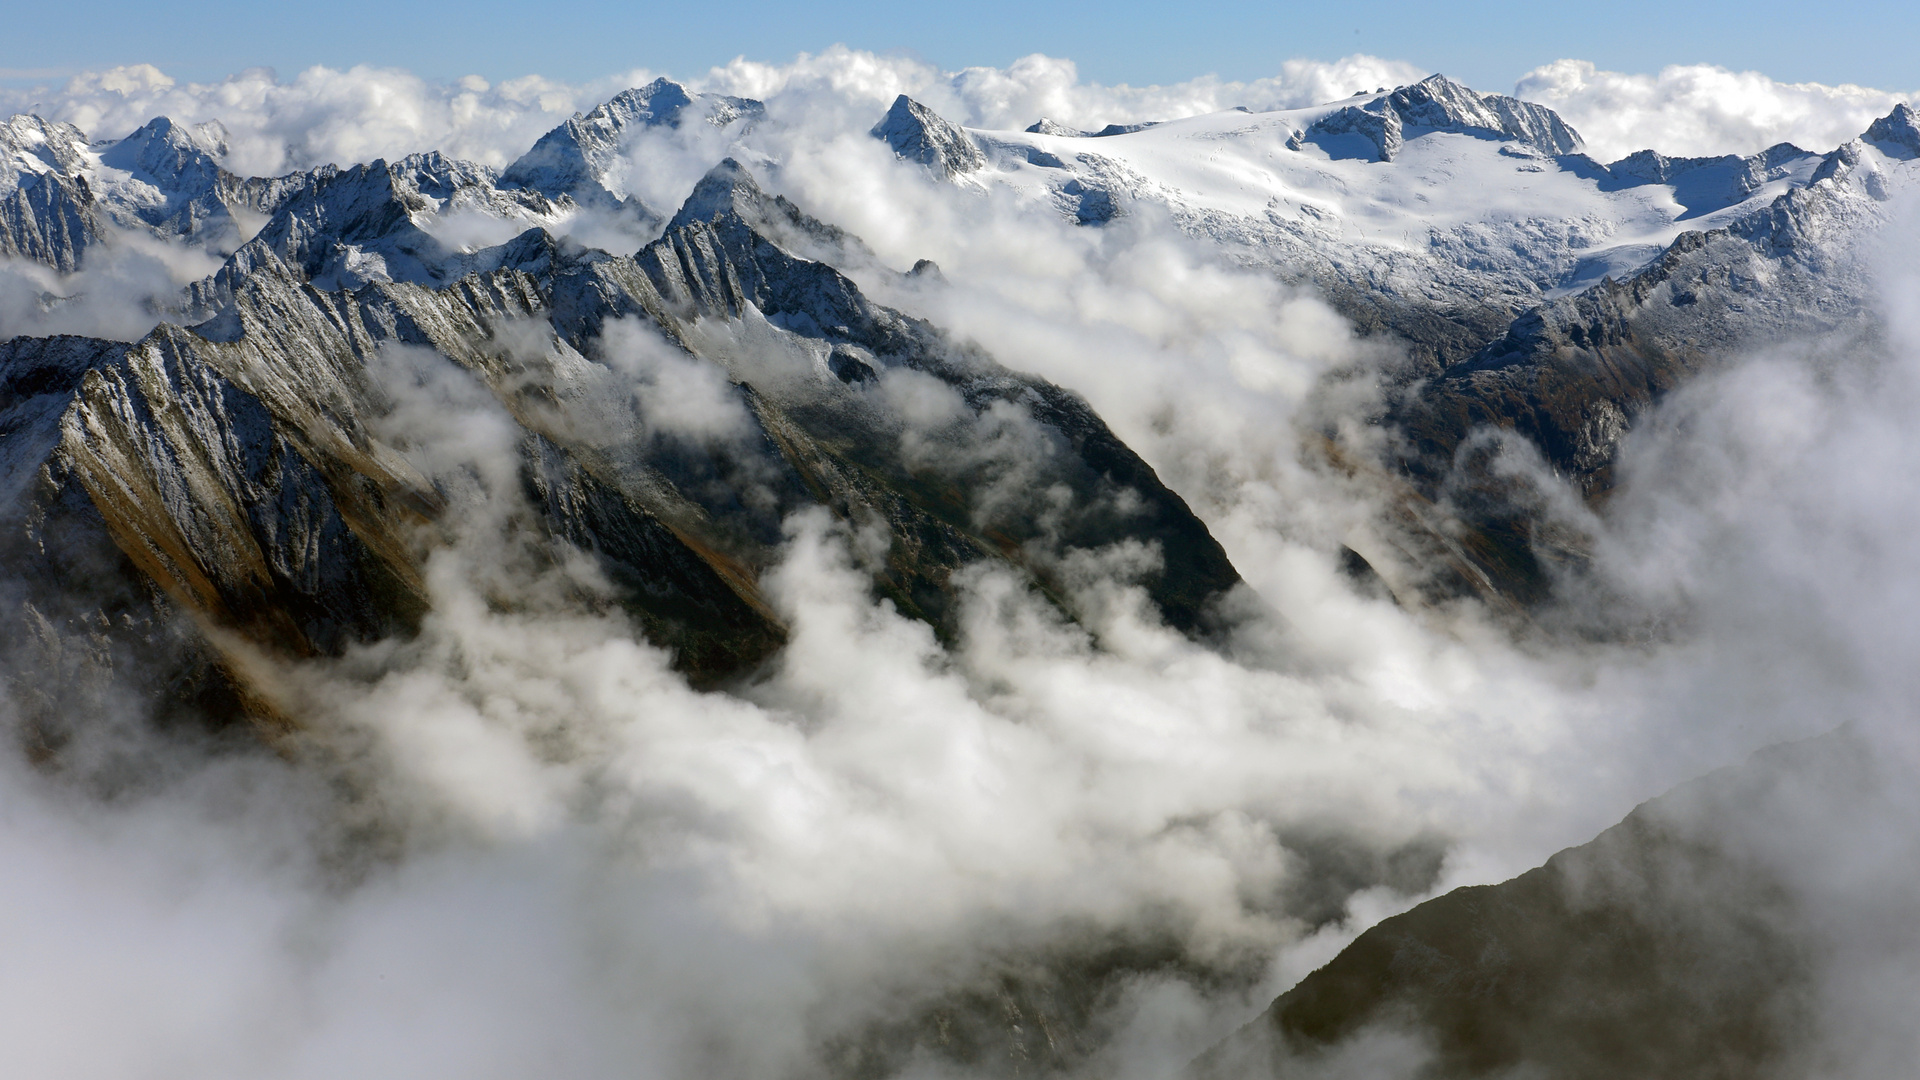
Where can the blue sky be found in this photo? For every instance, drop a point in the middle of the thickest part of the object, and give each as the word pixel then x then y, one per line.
pixel 1487 44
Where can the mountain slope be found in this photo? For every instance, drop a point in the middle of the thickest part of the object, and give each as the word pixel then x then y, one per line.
pixel 1680 943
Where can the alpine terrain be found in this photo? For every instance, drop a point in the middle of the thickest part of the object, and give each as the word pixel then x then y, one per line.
pixel 346 386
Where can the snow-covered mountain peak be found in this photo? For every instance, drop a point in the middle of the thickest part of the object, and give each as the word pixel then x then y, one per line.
pixel 1377 127
pixel 726 188
pixel 31 144
pixel 165 154
pixel 1428 197
pixel 665 103
pixel 729 195
pixel 1437 103
pixel 659 102
pixel 577 158
pixel 1897 134
pixel 1706 185
pixel 162 135
pixel 919 134
pixel 47 210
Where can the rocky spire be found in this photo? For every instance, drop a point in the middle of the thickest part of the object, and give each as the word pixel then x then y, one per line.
pixel 1897 133
pixel 917 133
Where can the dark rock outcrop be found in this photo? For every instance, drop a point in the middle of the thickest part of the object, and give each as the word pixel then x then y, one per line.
pixel 1678 943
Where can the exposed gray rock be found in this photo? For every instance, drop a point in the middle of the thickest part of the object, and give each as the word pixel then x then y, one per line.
pixel 1437 103
pixel 574 160
pixel 230 473
pixel 1704 185
pixel 1370 131
pixel 344 228
pixel 1093 205
pixel 1121 129
pixel 1897 134
pixel 919 134
pixel 47 208
pixel 186 192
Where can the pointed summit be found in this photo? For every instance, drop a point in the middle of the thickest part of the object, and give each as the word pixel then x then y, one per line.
pixel 917 133
pixel 179 164
pixel 660 102
pixel 30 144
pixel 1897 133
pixel 163 148
pixel 1437 103
pixel 575 158
pixel 171 156
pixel 47 210
pixel 727 189
pixel 728 195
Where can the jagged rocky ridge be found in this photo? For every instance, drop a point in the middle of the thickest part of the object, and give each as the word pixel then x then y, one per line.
pixel 1559 330
pixel 48 215
pixel 229 469
pixel 917 133
pixel 1685 942
pixel 1383 124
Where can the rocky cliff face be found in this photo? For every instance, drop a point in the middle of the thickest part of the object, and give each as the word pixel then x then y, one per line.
pixel 1458 286
pixel 1575 374
pixel 1554 323
pixel 1516 322
pixel 350 261
pixel 236 483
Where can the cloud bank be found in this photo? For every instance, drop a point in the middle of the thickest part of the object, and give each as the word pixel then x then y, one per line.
pixel 1700 110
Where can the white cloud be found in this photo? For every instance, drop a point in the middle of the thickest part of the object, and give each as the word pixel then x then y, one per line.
pixel 323 114
pixel 1698 110
pixel 1038 85
pixel 329 115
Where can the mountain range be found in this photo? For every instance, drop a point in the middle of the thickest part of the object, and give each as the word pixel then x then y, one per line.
pixel 238 480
